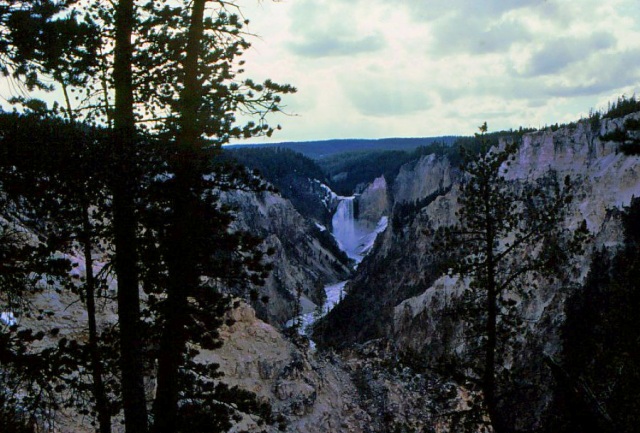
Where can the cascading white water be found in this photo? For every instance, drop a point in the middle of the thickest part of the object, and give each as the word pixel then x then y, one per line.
pixel 345 229
pixel 355 241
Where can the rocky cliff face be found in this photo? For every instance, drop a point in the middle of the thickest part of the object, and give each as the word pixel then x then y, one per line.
pixel 400 295
pixel 419 179
pixel 603 178
pixel 305 254
pixel 365 390
pixel 311 395
pixel 373 203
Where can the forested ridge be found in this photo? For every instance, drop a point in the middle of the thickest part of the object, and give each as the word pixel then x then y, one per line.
pixel 326 148
pixel 346 170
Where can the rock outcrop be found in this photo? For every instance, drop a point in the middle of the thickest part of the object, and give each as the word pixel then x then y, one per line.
pixel 305 255
pixel 400 295
pixel 423 177
pixel 367 389
pixel 373 203
pixel 309 394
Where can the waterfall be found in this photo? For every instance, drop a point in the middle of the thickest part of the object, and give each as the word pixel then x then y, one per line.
pixel 345 230
pixel 355 241
pixel 354 238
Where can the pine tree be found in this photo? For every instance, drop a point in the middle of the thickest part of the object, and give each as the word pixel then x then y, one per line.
pixel 188 255
pixel 507 237
pixel 601 355
pixel 51 174
pixel 206 95
pixel 45 39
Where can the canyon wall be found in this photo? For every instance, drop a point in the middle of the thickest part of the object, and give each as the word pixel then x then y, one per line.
pixel 400 293
pixel 304 253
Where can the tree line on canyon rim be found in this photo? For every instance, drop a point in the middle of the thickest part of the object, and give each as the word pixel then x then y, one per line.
pixel 122 161
pixel 55 177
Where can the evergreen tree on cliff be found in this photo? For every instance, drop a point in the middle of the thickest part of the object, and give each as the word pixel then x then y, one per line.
pixel 206 99
pixel 48 39
pixel 507 237
pixel 599 375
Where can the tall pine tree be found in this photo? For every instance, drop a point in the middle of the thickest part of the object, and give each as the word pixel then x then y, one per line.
pixel 507 237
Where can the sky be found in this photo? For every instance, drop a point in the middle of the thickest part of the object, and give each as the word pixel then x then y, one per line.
pixel 418 68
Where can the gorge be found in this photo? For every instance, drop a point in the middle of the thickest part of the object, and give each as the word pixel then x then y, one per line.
pixel 382 342
pixel 398 299
pixel 275 216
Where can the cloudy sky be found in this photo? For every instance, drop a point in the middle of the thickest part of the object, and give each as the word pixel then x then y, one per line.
pixel 410 68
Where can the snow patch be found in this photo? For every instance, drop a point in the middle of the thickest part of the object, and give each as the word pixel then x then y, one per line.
pixel 329 195
pixel 8 319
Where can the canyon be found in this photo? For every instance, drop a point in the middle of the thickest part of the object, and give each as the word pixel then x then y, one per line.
pixel 382 324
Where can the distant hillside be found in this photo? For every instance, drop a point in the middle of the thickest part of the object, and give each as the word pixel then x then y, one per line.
pixel 291 173
pixel 349 167
pixel 321 149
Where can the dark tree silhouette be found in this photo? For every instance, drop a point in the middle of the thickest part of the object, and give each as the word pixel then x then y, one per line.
pixel 185 67
pixel 601 355
pixel 501 224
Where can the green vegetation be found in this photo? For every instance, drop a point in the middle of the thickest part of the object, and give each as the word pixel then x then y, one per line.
pixel 491 210
pixel 627 137
pixel 345 171
pixel 144 185
pixel 600 368
pixel 327 148
pixel 621 107
pixel 292 174
pixel 350 171
pixel 276 164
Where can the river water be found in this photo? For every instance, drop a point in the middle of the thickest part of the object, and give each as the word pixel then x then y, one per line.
pixel 356 242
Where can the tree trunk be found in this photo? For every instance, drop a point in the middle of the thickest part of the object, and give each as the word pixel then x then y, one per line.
pixel 183 255
pixel 183 277
pixel 102 405
pixel 124 226
pixel 489 380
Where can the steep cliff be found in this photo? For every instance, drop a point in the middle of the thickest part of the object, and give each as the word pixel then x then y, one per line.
pixel 422 178
pixel 402 263
pixel 373 203
pixel 304 254
pixel 368 389
pixel 399 293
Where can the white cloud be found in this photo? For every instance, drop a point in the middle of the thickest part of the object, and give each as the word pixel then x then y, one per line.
pixel 328 46
pixel 382 94
pixel 329 28
pixel 374 68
